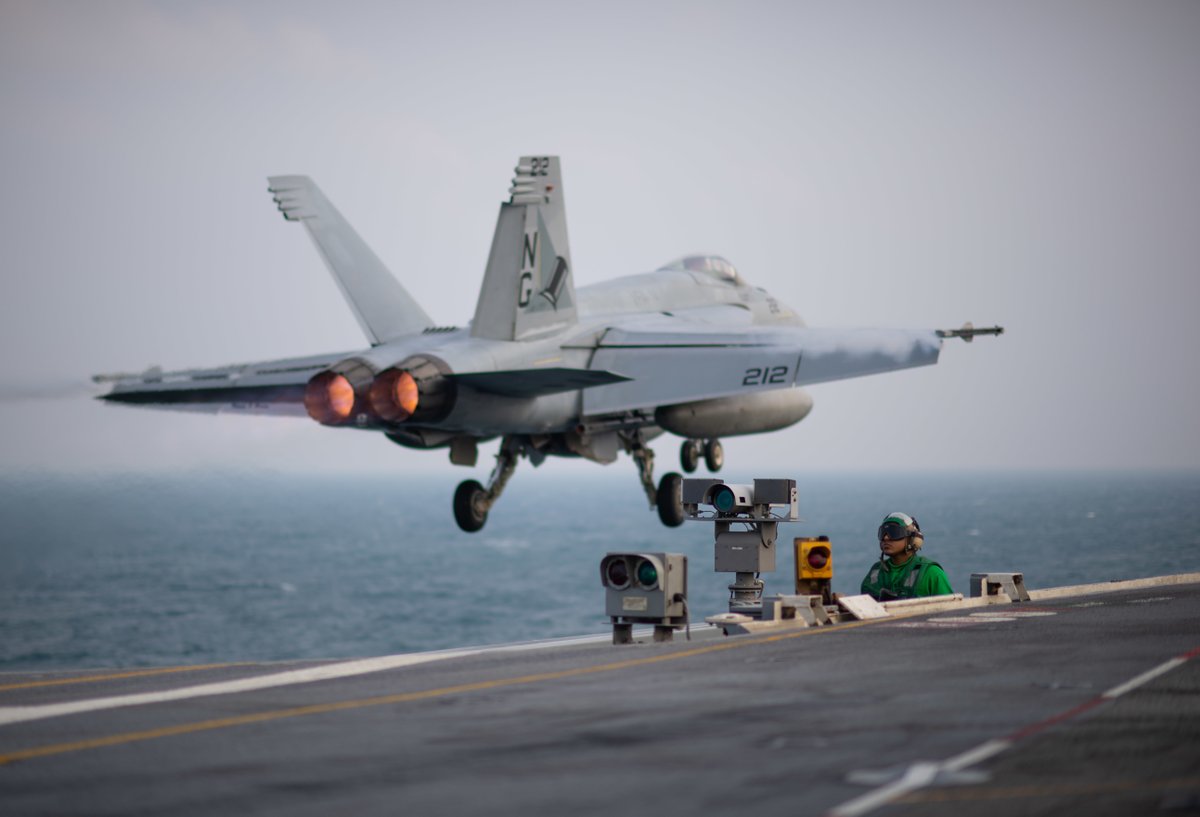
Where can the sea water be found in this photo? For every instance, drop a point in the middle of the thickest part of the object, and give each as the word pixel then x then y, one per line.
pixel 107 570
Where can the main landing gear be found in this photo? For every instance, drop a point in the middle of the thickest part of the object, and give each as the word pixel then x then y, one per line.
pixel 691 450
pixel 666 498
pixel 472 501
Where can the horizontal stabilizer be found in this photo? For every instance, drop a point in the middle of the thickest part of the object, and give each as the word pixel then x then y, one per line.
pixel 249 399
pixel 273 387
pixel 383 308
pixel 535 382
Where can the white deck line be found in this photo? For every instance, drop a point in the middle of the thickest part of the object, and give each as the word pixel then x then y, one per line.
pixel 325 672
pixel 1113 587
pixel 308 675
pixel 918 776
pixel 1145 677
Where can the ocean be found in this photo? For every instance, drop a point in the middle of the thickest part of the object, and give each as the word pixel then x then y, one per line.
pixel 132 570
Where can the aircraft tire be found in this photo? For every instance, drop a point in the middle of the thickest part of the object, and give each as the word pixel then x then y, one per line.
pixel 689 455
pixel 714 455
pixel 468 517
pixel 670 500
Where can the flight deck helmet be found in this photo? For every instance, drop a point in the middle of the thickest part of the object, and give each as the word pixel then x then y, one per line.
pixel 902 526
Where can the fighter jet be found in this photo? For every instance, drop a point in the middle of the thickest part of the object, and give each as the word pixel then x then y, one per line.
pixel 691 348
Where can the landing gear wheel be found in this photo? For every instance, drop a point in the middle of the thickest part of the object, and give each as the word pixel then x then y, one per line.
pixel 689 455
pixel 670 500
pixel 467 506
pixel 714 455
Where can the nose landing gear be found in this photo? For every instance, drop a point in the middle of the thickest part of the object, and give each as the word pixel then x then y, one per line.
pixel 689 455
pixel 714 455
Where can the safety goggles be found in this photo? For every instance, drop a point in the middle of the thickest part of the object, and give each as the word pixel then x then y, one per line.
pixel 892 530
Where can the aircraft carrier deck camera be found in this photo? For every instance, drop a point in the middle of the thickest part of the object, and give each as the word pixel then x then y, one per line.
pixel 730 499
pixel 750 550
pixel 712 500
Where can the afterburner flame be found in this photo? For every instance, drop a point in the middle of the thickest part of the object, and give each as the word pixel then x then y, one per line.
pixel 394 395
pixel 405 393
pixel 329 398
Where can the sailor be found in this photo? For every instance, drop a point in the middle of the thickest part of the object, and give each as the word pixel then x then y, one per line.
pixel 901 573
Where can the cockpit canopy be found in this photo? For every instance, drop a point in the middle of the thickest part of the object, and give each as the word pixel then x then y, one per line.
pixel 713 265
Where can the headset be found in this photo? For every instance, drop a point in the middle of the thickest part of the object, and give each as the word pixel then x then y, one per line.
pixel 915 539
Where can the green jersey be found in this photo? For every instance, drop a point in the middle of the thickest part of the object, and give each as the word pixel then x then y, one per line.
pixel 916 577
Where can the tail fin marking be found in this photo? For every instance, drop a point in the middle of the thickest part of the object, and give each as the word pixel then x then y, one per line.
pixel 528 289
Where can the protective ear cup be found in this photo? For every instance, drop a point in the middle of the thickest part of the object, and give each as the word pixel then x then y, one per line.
pixel 916 538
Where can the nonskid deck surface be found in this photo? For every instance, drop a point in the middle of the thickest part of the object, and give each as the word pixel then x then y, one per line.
pixel 1077 703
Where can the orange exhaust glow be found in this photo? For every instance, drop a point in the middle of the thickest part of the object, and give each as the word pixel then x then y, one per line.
pixel 329 398
pixel 405 393
pixel 394 395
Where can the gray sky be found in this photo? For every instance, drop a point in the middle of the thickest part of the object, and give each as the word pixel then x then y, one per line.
pixel 878 164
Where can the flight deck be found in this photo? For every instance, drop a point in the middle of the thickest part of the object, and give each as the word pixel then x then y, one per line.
pixel 1078 700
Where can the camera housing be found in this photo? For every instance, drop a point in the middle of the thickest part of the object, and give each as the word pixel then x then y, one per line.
pixel 709 500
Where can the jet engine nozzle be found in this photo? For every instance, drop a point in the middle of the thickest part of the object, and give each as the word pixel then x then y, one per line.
pixel 394 395
pixel 416 389
pixel 329 398
pixel 336 396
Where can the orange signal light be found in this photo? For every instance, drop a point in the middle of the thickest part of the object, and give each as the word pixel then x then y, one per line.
pixel 814 558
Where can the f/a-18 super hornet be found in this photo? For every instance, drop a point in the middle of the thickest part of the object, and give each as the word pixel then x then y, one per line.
pixel 690 348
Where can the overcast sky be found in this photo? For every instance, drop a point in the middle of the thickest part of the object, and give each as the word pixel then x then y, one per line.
pixel 910 164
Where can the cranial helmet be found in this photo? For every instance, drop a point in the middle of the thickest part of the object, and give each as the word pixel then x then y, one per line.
pixel 902 526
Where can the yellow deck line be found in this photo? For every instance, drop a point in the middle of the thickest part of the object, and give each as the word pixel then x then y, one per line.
pixel 95 679
pixel 383 700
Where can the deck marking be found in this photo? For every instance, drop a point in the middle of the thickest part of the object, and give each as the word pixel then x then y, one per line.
pixel 979 754
pixel 404 697
pixel 1048 790
pixel 322 672
pixel 116 676
pixel 325 672
pixel 1149 675
pixel 1053 720
pixel 917 776
pixel 1017 614
pixel 923 773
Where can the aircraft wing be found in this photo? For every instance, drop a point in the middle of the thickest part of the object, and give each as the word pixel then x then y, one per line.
pixel 273 387
pixel 679 366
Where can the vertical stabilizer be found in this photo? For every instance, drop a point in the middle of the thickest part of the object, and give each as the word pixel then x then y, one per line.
pixel 528 289
pixel 383 307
